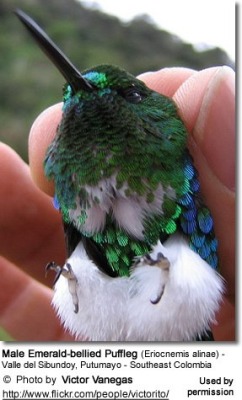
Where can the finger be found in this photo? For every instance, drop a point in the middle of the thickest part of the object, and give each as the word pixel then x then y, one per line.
pixel 41 135
pixel 224 328
pixel 25 310
pixel 167 80
pixel 206 102
pixel 31 233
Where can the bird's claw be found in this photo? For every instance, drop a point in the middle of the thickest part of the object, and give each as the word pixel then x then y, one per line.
pixel 53 266
pixel 157 299
pixel 68 273
pixel 161 262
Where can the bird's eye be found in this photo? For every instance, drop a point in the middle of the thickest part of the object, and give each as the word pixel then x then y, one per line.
pixel 132 95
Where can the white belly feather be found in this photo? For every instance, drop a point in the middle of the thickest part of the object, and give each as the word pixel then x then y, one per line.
pixel 121 309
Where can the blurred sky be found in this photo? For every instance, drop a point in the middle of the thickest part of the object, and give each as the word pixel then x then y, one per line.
pixel 210 22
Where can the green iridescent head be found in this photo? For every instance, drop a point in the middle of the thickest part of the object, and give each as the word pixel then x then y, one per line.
pixel 113 128
pixel 121 128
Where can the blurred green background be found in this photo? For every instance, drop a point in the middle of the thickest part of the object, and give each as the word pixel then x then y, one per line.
pixel 28 81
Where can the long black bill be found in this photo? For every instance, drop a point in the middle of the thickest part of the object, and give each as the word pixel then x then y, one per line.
pixel 67 69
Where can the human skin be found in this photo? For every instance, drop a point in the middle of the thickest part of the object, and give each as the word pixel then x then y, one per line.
pixel 31 233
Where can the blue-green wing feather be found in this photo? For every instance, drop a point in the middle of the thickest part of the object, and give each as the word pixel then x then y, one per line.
pixel 196 220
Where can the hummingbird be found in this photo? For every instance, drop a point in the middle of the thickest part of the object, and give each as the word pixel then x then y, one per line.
pixel 142 261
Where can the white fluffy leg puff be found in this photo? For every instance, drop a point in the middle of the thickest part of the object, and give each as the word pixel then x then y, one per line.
pixel 171 295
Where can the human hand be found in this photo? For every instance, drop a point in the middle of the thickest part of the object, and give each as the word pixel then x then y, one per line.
pixel 32 233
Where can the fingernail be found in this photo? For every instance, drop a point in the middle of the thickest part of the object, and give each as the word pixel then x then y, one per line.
pixel 214 130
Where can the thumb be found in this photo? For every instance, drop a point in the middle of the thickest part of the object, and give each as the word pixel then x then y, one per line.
pixel 41 135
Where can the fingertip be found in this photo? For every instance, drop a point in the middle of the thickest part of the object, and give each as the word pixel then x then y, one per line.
pixel 41 135
pixel 190 94
pixel 206 103
pixel 167 80
pixel 214 130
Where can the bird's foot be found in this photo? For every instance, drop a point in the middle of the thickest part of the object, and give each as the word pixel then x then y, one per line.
pixel 164 265
pixel 68 273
